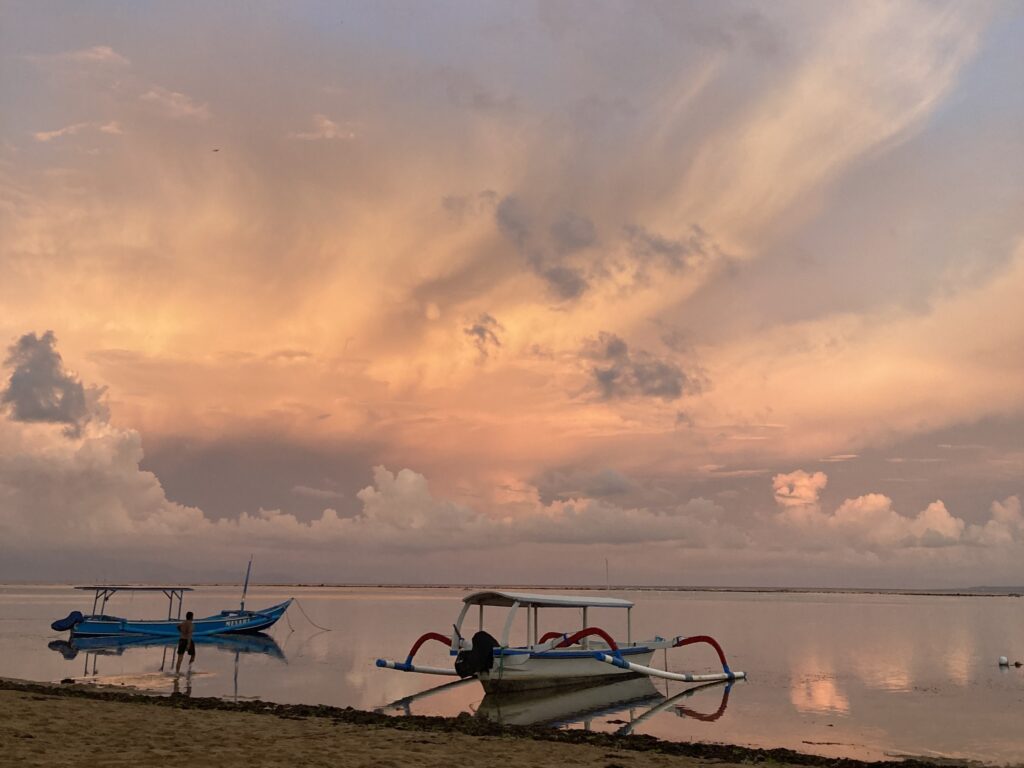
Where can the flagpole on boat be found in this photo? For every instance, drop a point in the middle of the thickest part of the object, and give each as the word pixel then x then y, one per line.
pixel 245 589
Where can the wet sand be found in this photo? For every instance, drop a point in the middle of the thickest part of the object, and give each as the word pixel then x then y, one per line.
pixel 64 725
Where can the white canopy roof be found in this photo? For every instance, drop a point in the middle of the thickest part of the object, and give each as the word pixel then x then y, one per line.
pixel 506 599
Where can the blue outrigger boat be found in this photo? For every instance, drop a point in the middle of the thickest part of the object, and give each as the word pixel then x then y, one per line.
pixel 99 624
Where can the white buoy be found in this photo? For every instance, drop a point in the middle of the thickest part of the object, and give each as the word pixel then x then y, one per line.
pixel 1003 661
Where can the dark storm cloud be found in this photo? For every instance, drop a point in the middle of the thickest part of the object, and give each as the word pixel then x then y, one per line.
pixel 513 220
pixel 484 334
pixel 572 232
pixel 566 282
pixel 460 207
pixel 573 482
pixel 40 390
pixel 620 374
pixel 651 249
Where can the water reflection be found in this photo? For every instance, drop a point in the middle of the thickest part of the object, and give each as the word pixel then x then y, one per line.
pixel 636 700
pixel 562 707
pixel 116 646
pixel 94 648
pixel 813 688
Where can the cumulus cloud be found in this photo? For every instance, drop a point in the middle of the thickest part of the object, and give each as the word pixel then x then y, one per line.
pixel 1005 526
pixel 621 374
pixel 40 390
pixel 797 493
pixel 870 522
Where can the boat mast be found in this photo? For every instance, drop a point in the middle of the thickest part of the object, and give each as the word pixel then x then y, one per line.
pixel 246 587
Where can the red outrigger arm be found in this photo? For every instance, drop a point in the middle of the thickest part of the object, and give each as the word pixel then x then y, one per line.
pixel 447 641
pixel 407 665
pixel 576 637
pixel 681 641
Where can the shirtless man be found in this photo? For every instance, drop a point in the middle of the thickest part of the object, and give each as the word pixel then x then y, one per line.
pixel 185 642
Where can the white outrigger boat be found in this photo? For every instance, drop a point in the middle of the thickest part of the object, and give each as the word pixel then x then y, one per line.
pixel 589 656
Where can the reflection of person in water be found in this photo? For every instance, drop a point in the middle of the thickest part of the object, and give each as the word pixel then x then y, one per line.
pixel 186 642
pixel 188 687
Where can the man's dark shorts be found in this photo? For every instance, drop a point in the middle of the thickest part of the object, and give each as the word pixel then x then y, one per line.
pixel 187 645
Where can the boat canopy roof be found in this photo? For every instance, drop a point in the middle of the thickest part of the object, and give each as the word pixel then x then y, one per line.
pixel 506 600
pixel 121 588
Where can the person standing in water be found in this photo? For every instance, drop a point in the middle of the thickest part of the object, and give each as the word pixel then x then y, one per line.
pixel 186 642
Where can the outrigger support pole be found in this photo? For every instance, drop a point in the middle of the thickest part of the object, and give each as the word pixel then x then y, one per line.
pixel 684 678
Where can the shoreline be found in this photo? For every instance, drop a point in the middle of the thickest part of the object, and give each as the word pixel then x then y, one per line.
pixel 1010 591
pixel 359 728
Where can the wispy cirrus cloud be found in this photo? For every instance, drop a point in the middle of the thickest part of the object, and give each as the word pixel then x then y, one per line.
pixel 174 104
pixel 112 128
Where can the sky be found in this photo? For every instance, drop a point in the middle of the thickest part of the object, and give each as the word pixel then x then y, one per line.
pixel 472 292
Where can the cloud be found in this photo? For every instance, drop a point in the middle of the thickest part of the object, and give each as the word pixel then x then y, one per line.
pixel 98 54
pixel 322 494
pixel 650 249
pixel 572 232
pixel 112 128
pixel 867 522
pixel 562 484
pixel 67 130
pixel 324 129
pixel 178 106
pixel 621 374
pixel 484 333
pixel 1005 526
pixel 870 522
pixel 567 282
pixel 40 390
pixel 799 488
pixel 513 220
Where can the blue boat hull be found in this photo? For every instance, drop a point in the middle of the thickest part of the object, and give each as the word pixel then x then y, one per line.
pixel 224 623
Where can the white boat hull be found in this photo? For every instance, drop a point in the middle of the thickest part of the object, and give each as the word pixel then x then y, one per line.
pixel 551 670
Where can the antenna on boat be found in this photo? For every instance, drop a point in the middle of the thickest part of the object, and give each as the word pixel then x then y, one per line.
pixel 246 587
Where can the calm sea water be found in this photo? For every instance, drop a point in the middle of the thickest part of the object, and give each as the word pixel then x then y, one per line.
pixel 859 675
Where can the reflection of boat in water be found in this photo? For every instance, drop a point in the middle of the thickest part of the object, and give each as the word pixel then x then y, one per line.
pixel 116 645
pixel 563 707
pixel 559 708
pixel 681 710
pixel 161 680
pixel 555 659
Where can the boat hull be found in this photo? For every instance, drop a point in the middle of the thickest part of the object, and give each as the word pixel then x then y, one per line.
pixel 224 623
pixel 555 669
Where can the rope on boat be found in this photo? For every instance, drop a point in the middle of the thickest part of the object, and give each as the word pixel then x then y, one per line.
pixel 684 678
pixel 299 605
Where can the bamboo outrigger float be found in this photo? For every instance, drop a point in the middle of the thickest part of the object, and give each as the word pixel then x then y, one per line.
pixel 588 656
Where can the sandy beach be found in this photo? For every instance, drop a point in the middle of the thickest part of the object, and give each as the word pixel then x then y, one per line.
pixel 56 725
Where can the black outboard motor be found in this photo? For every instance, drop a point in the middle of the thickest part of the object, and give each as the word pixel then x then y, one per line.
pixel 478 658
pixel 69 622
